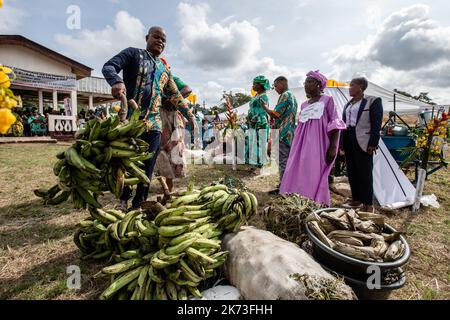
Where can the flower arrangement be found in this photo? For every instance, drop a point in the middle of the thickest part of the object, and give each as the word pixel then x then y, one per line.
pixel 430 141
pixel 8 100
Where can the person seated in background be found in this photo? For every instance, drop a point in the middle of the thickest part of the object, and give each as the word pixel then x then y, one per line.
pixel 81 121
pixel 90 115
pixel 26 125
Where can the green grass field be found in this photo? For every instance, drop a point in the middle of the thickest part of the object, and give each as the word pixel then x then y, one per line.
pixel 36 241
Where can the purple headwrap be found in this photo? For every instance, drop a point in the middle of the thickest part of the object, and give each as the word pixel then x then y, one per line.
pixel 319 77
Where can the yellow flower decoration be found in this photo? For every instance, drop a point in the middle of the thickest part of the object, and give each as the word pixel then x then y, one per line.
pixel 6 120
pixel 5 82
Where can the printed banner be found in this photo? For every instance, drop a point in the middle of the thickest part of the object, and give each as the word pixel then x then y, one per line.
pixel 43 80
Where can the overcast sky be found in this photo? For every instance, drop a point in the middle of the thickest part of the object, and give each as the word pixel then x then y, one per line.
pixel 221 45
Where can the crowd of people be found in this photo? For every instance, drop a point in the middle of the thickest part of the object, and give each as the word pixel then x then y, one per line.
pixel 310 142
pixel 309 137
pixel 35 123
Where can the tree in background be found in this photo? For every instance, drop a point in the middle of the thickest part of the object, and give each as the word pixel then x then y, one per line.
pixel 423 96
pixel 235 100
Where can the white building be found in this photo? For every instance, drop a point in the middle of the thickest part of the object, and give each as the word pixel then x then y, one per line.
pixel 48 80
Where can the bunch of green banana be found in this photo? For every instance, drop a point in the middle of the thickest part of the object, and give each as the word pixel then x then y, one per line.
pixel 188 253
pixel 171 256
pixel 171 273
pixel 229 208
pixel 236 210
pixel 106 156
pixel 112 234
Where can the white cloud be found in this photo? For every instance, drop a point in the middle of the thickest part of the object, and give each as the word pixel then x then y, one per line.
pixel 407 51
pixel 11 19
pixel 228 19
pixel 227 52
pixel 303 3
pixel 211 93
pixel 372 17
pixel 215 46
pixel 270 28
pixel 127 31
pixel 256 21
pixel 267 66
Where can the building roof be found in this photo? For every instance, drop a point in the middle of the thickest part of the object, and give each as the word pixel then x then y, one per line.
pixel 79 69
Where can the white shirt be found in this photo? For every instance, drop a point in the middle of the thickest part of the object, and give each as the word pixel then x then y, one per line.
pixel 352 114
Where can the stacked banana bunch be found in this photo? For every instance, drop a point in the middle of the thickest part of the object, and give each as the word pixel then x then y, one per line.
pixel 106 156
pixel 188 252
pixel 230 208
pixel 111 234
pixel 175 270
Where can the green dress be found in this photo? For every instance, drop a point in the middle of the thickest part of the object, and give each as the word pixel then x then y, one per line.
pixel 258 134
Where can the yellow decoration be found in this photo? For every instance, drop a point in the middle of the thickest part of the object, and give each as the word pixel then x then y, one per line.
pixel 192 98
pixel 6 120
pixel 253 93
pixel 334 83
pixel 7 99
pixel 4 80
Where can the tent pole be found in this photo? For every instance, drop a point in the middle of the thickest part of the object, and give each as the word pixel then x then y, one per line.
pixel 419 190
pixel 395 106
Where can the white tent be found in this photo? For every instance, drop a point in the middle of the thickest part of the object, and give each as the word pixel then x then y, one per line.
pixel 391 100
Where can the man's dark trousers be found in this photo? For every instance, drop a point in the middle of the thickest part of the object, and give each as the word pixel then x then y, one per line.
pixel 359 168
pixel 153 138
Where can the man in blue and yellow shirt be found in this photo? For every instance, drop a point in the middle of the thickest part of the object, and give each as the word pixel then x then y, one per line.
pixel 146 79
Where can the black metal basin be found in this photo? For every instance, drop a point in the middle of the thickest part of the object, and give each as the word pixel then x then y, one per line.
pixel 363 292
pixel 348 266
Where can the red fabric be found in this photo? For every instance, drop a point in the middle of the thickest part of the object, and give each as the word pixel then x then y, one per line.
pixel 164 61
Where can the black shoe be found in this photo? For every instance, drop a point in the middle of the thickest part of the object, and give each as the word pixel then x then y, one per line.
pixel 274 192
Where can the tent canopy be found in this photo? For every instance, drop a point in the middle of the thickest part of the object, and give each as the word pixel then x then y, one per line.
pixel 403 104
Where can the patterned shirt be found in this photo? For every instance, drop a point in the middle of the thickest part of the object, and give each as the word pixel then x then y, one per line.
pixel 286 112
pixel 159 82
pixel 257 117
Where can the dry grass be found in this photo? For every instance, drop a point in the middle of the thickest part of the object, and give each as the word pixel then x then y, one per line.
pixel 36 241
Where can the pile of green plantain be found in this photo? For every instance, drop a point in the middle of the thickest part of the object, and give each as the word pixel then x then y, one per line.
pixel 106 156
pixel 165 253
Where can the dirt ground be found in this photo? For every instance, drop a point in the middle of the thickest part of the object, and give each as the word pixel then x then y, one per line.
pixel 36 241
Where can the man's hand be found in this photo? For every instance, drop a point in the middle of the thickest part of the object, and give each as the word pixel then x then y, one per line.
pixel 331 154
pixel 118 89
pixel 371 150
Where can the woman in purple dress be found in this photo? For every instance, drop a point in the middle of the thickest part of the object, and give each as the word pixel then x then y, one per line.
pixel 315 144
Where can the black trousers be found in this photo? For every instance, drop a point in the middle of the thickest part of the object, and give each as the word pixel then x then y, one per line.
pixel 153 138
pixel 359 169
